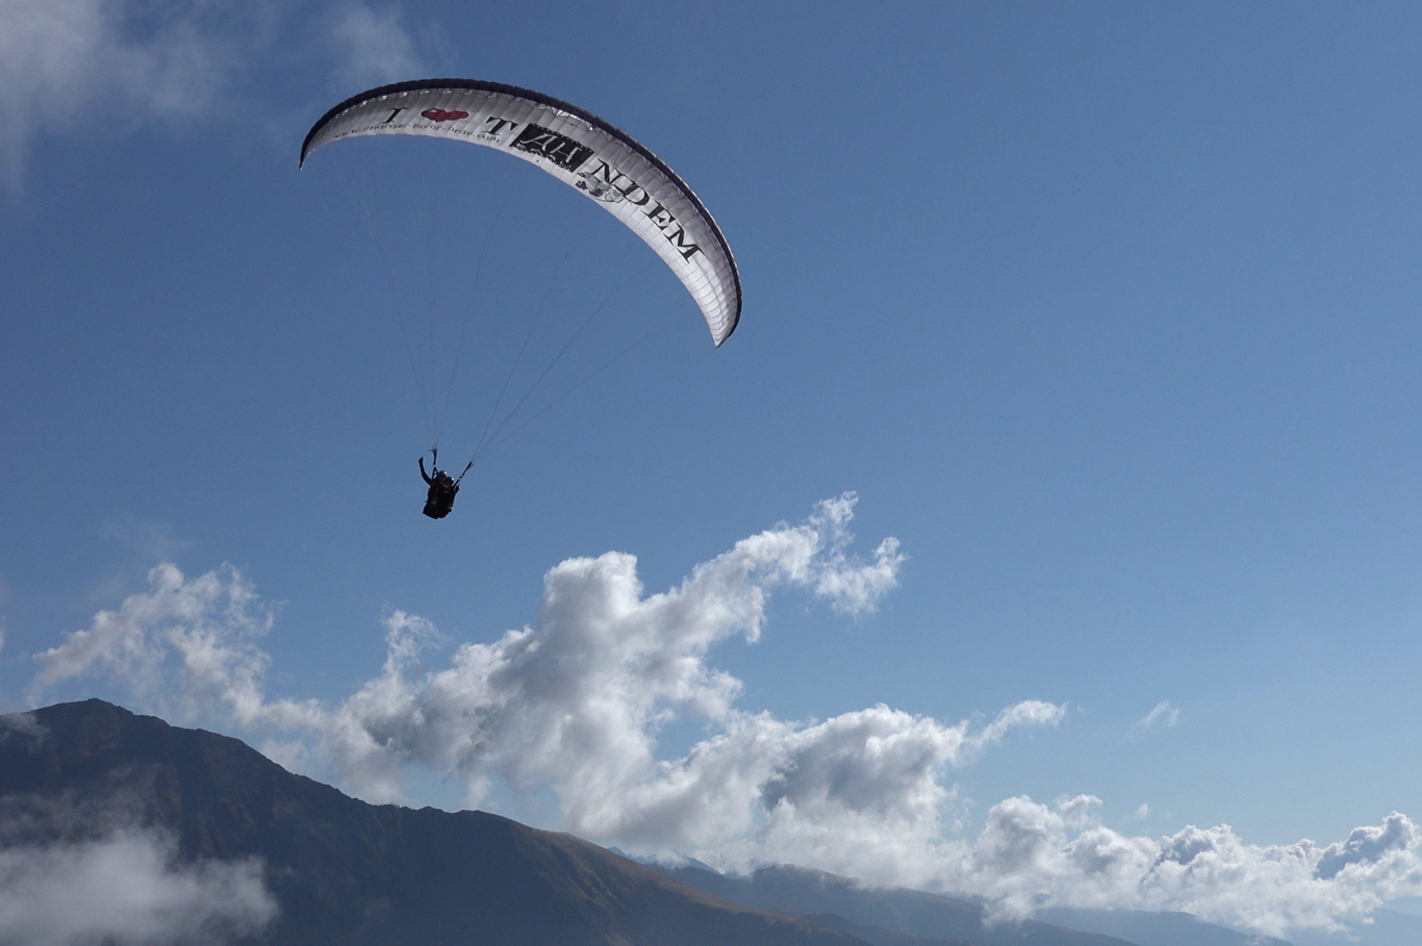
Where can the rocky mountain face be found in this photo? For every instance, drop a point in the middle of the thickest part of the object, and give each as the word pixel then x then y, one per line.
pixel 343 871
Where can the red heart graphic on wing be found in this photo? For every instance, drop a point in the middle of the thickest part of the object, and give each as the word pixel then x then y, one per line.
pixel 440 115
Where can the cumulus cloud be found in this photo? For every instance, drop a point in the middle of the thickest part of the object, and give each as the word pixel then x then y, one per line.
pixel 1369 845
pixel 210 623
pixel 570 708
pixel 1162 715
pixel 574 701
pixel 103 65
pixel 126 889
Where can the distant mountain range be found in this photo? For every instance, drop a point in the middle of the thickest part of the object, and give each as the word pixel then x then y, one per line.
pixel 901 917
pixel 921 918
pixel 343 871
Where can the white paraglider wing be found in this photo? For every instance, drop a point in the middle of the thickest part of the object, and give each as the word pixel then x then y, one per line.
pixel 579 149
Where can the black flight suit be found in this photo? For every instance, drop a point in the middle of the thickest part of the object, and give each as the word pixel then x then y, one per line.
pixel 442 492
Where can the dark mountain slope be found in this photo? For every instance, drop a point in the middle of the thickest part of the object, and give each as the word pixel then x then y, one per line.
pixel 344 871
pixel 878 936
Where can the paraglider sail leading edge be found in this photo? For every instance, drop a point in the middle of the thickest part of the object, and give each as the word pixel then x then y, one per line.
pixel 577 148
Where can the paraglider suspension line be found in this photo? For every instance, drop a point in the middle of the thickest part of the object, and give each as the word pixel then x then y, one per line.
pixel 484 443
pixel 434 454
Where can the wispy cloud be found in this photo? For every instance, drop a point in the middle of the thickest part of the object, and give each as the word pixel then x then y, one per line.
pixel 1025 714
pixel 95 68
pixel 127 888
pixel 373 44
pixel 21 726
pixel 570 708
pixel 1163 715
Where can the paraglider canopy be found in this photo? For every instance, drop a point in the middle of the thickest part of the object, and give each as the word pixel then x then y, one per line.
pixel 573 145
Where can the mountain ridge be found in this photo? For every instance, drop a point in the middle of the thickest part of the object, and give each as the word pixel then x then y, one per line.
pixel 344 871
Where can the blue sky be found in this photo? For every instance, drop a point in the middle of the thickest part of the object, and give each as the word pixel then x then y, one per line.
pixel 1106 312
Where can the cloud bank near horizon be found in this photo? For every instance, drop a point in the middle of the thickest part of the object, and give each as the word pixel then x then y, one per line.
pixel 81 66
pixel 570 708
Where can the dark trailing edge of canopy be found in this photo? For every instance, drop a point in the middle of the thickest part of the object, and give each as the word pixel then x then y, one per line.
pixel 476 85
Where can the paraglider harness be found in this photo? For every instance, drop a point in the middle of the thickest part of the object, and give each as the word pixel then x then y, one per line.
pixel 443 487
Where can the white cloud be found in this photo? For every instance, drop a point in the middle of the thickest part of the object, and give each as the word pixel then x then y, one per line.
pixel 1369 845
pixel 573 702
pixel 570 708
pixel 1163 714
pixel 1032 855
pixel 126 889
pixel 209 622
pixel 1026 713
pixel 99 66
